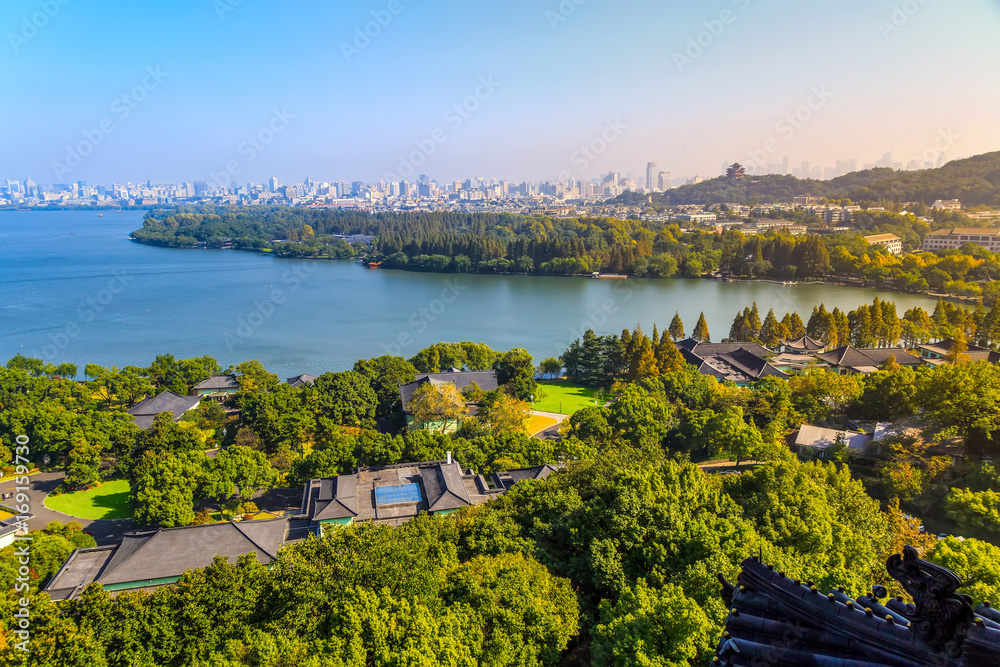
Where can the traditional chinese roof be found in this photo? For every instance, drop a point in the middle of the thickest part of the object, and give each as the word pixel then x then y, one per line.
pixel 146 410
pixel 805 344
pixel 865 359
pixel 779 621
pixel 217 382
pixel 300 380
pixel 486 380
pixel 148 558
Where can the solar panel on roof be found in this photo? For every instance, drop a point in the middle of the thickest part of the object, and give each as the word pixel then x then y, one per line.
pixel 397 494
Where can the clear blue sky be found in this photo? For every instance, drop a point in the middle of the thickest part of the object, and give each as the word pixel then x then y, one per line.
pixel 559 83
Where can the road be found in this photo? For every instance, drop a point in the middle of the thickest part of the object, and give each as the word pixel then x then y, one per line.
pixel 105 531
pixel 550 432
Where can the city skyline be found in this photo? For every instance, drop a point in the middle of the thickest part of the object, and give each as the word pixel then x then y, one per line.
pixel 378 90
pixel 628 180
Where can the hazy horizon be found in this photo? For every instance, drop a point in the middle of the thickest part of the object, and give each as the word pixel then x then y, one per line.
pixel 173 93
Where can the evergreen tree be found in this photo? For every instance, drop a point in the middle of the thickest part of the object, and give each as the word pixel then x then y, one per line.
pixel 893 327
pixel 676 327
pixel 700 332
pixel 754 321
pixel 668 357
pixel 841 329
pixel 739 331
pixel 592 361
pixel 792 321
pixel 643 360
pixel 813 328
pixel 862 331
pixel 878 327
pixel 771 331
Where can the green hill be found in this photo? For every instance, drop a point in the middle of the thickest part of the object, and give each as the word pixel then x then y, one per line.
pixel 974 181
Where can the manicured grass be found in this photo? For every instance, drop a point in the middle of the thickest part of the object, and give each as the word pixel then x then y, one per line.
pixel 537 424
pixel 107 501
pixel 564 397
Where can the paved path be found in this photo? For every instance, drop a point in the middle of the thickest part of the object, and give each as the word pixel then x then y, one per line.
pixel 105 531
pixel 719 466
pixel 550 432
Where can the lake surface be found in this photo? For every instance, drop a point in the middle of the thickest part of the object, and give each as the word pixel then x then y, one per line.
pixel 75 289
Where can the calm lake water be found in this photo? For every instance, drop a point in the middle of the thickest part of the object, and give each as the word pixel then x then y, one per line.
pixel 75 289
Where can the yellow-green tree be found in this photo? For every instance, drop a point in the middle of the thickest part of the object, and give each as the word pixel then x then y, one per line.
pixel 700 332
pixel 434 404
pixel 506 414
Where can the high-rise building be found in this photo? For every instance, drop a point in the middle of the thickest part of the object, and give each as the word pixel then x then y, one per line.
pixel 663 180
pixel 651 171
pixel 273 184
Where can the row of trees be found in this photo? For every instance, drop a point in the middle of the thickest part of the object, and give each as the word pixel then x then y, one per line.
pixel 502 243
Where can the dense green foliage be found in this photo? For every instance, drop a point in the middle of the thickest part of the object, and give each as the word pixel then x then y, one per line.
pixel 507 243
pixel 619 549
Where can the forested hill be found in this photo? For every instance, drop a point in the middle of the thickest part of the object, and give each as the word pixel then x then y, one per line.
pixel 974 181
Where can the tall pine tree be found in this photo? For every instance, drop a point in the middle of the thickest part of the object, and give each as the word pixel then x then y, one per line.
pixel 700 332
pixel 676 327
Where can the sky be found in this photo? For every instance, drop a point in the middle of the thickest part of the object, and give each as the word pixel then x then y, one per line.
pixel 514 89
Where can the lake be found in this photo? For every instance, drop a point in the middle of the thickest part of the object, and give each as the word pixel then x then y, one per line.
pixel 75 289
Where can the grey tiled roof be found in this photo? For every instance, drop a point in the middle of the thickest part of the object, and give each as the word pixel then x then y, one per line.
pixel 715 349
pixel 804 343
pixel 742 364
pixel 775 620
pixel 217 382
pixel 169 552
pixel 487 381
pixel 300 380
pixel 145 410
pixel 851 357
pixel 444 486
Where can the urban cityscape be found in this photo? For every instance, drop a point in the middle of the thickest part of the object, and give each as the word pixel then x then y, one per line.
pixel 424 193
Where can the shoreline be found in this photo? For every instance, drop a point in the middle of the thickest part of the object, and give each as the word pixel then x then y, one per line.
pixel 707 276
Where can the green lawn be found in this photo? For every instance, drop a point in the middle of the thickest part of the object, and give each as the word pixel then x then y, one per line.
pixel 107 501
pixel 564 397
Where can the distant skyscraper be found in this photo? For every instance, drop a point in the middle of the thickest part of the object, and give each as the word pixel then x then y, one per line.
pixel 663 181
pixel 651 171
pixel 272 184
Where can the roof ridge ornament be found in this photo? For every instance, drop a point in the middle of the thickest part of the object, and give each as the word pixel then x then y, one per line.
pixel 939 616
